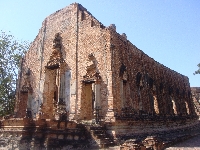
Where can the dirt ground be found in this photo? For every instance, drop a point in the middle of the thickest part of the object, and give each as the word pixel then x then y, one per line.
pixel 190 144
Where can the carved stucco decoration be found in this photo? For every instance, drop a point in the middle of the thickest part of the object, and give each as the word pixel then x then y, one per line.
pixel 56 56
pixel 123 73
pixel 27 85
pixel 92 74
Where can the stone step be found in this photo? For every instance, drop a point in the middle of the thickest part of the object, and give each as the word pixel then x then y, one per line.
pixel 106 140
pixel 96 128
pixel 106 145
pixel 114 148
pixel 100 135
pixel 98 131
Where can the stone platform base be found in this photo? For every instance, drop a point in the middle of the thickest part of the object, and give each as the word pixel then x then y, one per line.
pixel 158 135
pixel 25 133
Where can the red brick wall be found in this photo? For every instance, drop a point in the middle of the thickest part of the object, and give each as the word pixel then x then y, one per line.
pixel 83 35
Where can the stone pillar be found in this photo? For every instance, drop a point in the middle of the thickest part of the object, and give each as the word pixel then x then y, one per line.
pixel 58 78
pixel 178 105
pixel 94 102
pixel 140 102
pixel 183 106
pixel 160 101
pixel 151 102
pixel 98 94
pixel 143 99
pixel 147 99
pixel 170 105
pixel 174 105
pixel 191 105
pixel 67 90
pixel 28 110
pixel 156 108
pixel 187 108
pixel 110 112
pixel 97 102
pixel 163 103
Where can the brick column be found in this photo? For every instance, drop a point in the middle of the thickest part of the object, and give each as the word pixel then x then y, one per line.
pixel 110 112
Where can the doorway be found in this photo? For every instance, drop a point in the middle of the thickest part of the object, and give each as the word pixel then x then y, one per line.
pixel 23 104
pixel 88 101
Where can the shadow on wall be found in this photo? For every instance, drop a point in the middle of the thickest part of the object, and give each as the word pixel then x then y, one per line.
pixel 40 134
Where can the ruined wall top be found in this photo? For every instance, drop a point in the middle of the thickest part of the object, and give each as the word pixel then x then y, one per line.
pixel 86 15
pixel 124 39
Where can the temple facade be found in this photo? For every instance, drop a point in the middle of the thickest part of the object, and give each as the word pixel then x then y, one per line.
pixel 79 69
pixel 82 85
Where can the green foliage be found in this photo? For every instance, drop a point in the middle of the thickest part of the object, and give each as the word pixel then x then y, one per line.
pixel 198 71
pixel 11 51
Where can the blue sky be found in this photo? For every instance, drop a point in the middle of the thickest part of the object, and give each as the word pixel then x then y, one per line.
pixel 166 30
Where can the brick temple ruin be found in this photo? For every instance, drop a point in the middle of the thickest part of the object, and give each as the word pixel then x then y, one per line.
pixel 196 98
pixel 81 80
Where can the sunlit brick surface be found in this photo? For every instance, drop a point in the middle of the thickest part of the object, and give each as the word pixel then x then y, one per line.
pixel 127 77
pixel 79 72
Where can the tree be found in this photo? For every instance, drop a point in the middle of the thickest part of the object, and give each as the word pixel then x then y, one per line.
pixel 198 71
pixel 11 51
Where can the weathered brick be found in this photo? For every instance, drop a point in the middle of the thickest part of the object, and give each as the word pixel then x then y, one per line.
pixel 100 69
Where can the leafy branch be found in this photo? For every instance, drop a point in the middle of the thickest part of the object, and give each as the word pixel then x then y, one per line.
pixel 11 51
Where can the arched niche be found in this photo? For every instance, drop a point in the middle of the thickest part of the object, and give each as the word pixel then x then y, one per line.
pixel 123 85
pixel 139 86
pixel 91 91
pixel 56 94
pixel 154 107
pixel 25 93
